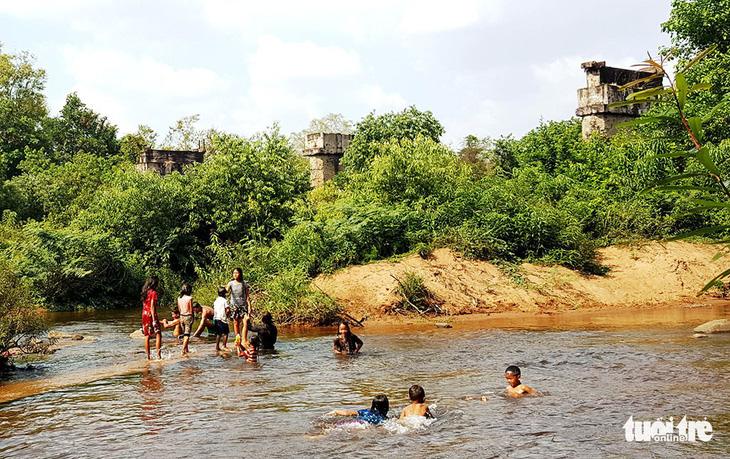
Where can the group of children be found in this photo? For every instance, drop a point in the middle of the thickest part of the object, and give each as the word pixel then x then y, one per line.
pixel 380 406
pixel 238 310
pixel 216 319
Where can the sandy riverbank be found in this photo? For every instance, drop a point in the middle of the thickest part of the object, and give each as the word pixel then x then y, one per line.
pixel 648 276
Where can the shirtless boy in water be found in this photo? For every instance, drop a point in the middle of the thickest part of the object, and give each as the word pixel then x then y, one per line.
pixel 417 406
pixel 516 388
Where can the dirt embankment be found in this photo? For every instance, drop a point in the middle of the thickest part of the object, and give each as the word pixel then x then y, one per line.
pixel 646 276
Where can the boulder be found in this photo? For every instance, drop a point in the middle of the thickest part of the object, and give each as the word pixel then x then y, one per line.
pixel 58 335
pixel 77 337
pixel 714 326
pixel 137 334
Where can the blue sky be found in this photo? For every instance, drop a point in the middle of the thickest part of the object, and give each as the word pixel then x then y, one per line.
pixel 486 68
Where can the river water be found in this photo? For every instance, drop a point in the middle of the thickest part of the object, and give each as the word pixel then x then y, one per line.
pixel 219 405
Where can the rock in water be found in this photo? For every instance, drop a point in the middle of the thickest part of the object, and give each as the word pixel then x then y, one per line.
pixel 58 335
pixel 714 326
pixel 443 325
pixel 77 337
pixel 137 334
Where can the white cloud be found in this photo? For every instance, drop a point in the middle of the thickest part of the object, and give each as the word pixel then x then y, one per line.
pixel 116 70
pixel 375 98
pixel 36 8
pixel 103 103
pixel 228 13
pixel 276 61
pixel 438 16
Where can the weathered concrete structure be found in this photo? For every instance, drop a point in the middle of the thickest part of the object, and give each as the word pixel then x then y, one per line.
pixel 603 83
pixel 325 152
pixel 167 161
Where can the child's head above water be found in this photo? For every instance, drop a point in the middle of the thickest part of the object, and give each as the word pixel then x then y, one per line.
pixel 222 291
pixel 416 394
pixel 512 373
pixel 344 328
pixel 255 342
pixel 380 405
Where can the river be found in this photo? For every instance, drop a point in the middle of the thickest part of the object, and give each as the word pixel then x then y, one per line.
pixel 593 377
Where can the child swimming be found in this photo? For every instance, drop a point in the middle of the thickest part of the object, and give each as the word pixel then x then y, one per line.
pixel 377 413
pixel 516 388
pixel 417 406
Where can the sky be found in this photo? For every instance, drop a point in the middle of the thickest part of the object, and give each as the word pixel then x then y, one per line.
pixel 486 68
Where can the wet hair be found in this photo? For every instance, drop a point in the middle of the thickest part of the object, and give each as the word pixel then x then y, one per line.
pixel 346 325
pixel 197 305
pixel 267 319
pixel 150 284
pixel 222 291
pixel 240 274
pixel 186 290
pixel 416 393
pixel 255 342
pixel 380 405
pixel 514 369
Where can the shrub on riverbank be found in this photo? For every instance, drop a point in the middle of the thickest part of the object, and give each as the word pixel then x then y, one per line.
pixel 21 322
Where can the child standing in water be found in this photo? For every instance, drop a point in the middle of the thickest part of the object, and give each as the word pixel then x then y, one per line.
pixel 150 322
pixel 220 319
pixel 240 304
pixel 185 305
pixel 377 413
pixel 516 388
pixel 346 342
pixel 417 406
pixel 249 349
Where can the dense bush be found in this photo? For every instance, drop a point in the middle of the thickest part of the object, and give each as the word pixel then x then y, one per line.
pixel 21 322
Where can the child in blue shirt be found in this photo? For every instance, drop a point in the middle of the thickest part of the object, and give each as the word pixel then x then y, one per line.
pixel 377 413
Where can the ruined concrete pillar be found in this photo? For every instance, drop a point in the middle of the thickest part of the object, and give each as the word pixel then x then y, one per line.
pixel 167 161
pixel 325 152
pixel 602 89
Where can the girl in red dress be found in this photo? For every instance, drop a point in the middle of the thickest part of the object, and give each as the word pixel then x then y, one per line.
pixel 150 322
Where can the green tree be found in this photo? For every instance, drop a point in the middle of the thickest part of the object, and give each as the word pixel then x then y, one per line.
pixel 407 124
pixel 247 188
pixel 696 25
pixel 133 144
pixel 22 107
pixel 21 322
pixel 184 134
pixel 78 128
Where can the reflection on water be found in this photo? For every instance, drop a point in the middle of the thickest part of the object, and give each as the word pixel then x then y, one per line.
pixel 595 381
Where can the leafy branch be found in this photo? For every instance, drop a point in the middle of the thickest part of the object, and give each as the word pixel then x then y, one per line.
pixel 675 93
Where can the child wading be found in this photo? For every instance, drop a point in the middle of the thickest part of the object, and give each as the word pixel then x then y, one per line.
pixel 185 305
pixel 220 319
pixel 150 322
pixel 515 387
pixel 240 304
pixel 346 342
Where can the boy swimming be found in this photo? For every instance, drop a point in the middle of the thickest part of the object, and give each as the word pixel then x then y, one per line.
pixel 515 387
pixel 417 406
